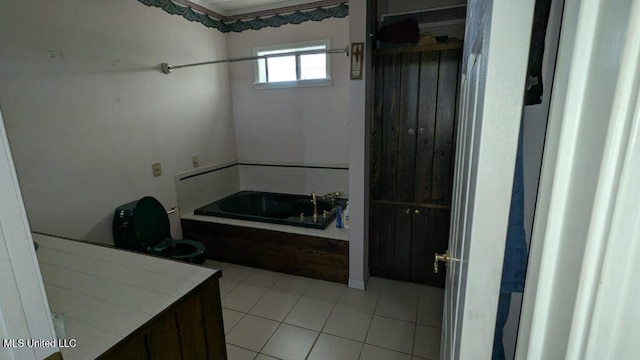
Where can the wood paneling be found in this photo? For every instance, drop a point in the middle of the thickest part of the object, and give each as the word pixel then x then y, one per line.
pixel 163 340
pixel 412 153
pixel 191 328
pixel 428 89
pixel 407 129
pixel 392 70
pixel 309 256
pixel 445 124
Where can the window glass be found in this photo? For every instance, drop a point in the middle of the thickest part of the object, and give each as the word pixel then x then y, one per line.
pixel 295 69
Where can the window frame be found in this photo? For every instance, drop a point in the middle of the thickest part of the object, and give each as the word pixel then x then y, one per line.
pixel 294 83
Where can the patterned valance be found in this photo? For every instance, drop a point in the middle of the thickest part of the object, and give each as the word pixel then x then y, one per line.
pixel 314 11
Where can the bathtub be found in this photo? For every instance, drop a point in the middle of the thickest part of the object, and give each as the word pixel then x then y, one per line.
pixel 273 208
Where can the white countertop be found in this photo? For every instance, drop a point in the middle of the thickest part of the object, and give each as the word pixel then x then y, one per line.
pixel 331 232
pixel 106 293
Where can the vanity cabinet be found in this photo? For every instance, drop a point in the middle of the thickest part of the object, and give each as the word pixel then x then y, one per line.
pixel 412 157
pixel 117 304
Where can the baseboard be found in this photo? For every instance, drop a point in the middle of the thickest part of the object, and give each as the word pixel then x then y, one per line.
pixel 356 284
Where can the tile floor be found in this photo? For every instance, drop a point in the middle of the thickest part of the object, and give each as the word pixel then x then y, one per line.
pixel 270 315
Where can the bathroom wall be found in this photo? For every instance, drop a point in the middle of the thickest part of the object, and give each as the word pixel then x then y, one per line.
pixel 88 111
pixel 298 125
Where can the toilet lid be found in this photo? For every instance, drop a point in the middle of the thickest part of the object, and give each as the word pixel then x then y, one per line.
pixel 151 222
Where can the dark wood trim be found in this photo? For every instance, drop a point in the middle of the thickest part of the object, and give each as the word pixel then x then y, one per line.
pixel 413 204
pixel 54 356
pixel 303 255
pixel 422 48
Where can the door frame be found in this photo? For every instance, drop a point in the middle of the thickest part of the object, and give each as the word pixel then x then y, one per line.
pixel 24 310
pixel 581 279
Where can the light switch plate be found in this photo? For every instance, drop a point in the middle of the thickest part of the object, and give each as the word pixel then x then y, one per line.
pixel 157 169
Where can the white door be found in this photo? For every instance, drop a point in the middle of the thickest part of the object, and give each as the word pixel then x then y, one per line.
pixel 492 87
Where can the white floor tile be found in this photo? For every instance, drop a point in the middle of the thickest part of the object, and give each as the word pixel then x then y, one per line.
pixel 324 291
pixel 252 332
pixel 274 305
pixel 404 289
pixel 294 285
pixel 360 300
pixel 262 278
pixel 430 314
pixel 393 287
pixel 391 334
pixel 236 273
pixel 226 287
pixel 310 314
pixel 264 357
pixel 329 347
pixel 431 294
pixel 427 342
pixel 379 285
pixel 348 323
pixel 370 352
pixel 243 297
pixel 290 343
pixel 236 353
pixel 396 307
pixel 230 319
pixel 213 264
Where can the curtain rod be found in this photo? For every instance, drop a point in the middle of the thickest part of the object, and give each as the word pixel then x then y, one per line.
pixel 167 69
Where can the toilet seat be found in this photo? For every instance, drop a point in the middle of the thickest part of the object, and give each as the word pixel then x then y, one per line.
pixel 178 249
pixel 153 231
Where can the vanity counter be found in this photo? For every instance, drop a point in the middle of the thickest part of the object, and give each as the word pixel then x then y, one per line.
pixel 121 304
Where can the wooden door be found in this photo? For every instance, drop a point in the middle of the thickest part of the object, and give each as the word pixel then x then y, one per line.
pixel 412 151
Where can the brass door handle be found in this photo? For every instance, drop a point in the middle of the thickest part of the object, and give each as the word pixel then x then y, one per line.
pixel 440 257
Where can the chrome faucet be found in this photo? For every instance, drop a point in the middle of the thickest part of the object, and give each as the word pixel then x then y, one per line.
pixel 315 207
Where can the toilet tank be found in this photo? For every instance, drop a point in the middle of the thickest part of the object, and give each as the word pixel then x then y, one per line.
pixel 124 235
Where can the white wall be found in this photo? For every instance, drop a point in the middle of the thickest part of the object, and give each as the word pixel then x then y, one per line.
pixel 87 110
pixel 297 125
pixel 359 111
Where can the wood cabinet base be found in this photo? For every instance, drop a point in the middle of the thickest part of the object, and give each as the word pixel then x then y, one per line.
pixel 302 255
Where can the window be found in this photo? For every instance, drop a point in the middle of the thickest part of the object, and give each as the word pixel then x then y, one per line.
pixel 293 70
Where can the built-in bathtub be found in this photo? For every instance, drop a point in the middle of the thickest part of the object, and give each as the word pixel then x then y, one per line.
pixel 286 209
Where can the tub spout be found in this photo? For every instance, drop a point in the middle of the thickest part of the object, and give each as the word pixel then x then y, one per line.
pixel 315 207
pixel 332 196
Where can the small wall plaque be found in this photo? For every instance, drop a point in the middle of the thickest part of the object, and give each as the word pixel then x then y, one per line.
pixel 357 60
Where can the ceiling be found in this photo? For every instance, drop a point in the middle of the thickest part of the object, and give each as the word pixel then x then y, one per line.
pixel 234 7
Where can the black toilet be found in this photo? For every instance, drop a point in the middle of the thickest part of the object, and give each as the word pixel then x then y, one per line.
pixel 143 225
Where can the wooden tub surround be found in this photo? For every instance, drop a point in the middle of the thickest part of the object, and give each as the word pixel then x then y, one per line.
pixel 119 304
pixel 291 253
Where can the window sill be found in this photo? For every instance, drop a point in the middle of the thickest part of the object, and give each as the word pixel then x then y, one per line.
pixel 293 84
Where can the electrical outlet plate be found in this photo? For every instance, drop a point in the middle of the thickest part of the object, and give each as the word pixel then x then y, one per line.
pixel 195 161
pixel 157 169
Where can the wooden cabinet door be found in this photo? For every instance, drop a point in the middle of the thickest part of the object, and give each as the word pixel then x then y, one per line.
pixel 403 240
pixel 412 152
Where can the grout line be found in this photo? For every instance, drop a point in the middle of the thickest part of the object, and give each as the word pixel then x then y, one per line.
pixel 335 305
pixel 364 342
pixel 415 329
